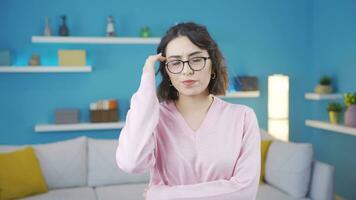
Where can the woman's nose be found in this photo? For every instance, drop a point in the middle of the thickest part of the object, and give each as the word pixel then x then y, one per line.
pixel 187 69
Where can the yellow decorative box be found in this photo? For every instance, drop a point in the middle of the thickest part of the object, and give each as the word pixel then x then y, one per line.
pixel 72 57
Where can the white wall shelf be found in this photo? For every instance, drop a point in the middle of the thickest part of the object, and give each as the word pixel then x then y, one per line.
pixel 95 40
pixel 79 127
pixel 44 69
pixel 241 94
pixel 331 127
pixel 316 96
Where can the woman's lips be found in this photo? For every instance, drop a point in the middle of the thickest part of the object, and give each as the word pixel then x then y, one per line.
pixel 189 82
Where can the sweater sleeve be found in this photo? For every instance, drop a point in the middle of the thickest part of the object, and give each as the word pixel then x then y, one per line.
pixel 135 151
pixel 242 185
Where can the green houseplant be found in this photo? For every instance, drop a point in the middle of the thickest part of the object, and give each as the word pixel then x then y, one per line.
pixel 350 114
pixel 324 86
pixel 334 110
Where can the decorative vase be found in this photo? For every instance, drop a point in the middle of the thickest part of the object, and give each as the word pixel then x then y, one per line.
pixel 323 89
pixel 47 31
pixel 334 117
pixel 5 58
pixel 63 29
pixel 34 60
pixel 350 116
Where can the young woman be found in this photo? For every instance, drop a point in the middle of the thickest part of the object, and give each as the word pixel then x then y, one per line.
pixel 195 145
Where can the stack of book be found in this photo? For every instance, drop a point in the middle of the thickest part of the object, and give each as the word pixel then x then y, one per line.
pixel 104 111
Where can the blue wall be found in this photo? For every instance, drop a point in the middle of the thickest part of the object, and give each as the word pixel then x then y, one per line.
pixel 303 39
pixel 334 39
pixel 256 37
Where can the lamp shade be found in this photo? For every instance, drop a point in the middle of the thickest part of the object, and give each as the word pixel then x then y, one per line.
pixel 278 106
pixel 278 96
pixel 279 128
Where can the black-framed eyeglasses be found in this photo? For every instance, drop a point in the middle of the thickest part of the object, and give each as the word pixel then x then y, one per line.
pixel 195 64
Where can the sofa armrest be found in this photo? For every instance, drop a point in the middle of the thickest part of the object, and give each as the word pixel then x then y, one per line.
pixel 322 181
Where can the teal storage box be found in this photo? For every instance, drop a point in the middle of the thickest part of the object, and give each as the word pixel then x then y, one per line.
pixel 5 58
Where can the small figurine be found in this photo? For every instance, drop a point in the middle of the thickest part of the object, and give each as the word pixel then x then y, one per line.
pixel 34 60
pixel 47 31
pixel 63 29
pixel 145 31
pixel 110 28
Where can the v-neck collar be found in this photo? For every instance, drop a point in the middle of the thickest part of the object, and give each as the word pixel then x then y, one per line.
pixel 203 124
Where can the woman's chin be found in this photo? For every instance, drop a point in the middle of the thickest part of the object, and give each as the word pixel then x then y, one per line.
pixel 190 92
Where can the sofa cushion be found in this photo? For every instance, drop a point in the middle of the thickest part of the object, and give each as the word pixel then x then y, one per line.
pixel 268 192
pixel 63 163
pixel 102 167
pixel 264 150
pixel 118 192
pixel 9 148
pixel 20 174
pixel 75 193
pixel 288 167
pixel 322 181
pixel 266 136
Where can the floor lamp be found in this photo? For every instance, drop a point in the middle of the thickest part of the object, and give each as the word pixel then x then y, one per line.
pixel 278 106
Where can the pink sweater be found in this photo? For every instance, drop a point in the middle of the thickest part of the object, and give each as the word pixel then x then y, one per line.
pixel 219 161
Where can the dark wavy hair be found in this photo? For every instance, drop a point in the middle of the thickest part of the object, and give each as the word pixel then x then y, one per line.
pixel 199 36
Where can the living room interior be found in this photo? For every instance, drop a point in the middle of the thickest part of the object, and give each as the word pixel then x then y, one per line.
pixel 69 68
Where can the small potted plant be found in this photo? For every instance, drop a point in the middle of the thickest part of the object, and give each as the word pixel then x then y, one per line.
pixel 324 86
pixel 334 110
pixel 350 114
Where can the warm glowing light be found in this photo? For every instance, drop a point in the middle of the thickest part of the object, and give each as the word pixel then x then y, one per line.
pixel 278 106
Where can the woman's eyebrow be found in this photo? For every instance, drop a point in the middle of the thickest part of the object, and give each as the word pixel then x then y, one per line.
pixel 191 54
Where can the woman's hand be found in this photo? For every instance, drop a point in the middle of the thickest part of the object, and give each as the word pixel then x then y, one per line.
pixel 150 62
pixel 145 193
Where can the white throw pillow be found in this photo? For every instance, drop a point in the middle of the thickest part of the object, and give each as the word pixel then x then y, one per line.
pixel 9 148
pixel 288 167
pixel 266 136
pixel 102 166
pixel 63 163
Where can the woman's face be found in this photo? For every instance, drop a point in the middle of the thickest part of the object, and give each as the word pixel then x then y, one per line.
pixel 188 82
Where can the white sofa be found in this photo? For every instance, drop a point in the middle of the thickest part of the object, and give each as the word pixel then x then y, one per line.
pixel 291 173
pixel 85 168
